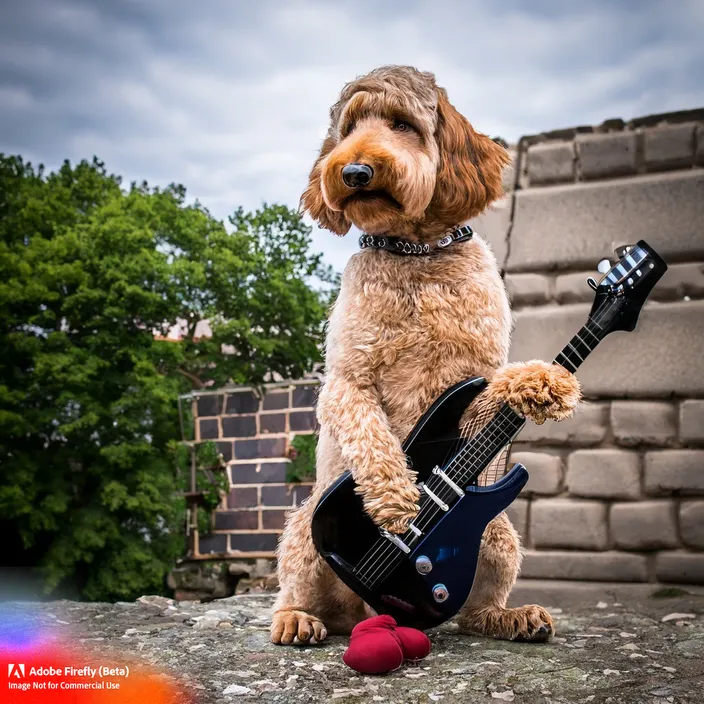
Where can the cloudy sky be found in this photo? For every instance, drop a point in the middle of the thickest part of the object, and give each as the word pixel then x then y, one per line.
pixel 230 97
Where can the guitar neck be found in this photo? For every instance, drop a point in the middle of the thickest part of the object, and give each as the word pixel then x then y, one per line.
pixel 506 424
pixel 580 346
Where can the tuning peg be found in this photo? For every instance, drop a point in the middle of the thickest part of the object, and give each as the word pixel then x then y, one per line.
pixel 603 266
pixel 592 283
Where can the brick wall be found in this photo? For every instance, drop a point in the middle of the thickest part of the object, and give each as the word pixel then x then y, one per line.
pixel 253 436
pixel 617 493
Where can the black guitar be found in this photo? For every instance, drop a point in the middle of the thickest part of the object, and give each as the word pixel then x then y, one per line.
pixel 424 576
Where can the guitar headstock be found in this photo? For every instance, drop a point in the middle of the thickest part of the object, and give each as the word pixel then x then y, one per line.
pixel 624 288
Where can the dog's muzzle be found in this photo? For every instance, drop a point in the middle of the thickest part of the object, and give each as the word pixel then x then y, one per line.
pixel 357 175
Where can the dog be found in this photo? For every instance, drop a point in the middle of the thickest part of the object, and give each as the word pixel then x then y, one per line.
pixel 399 160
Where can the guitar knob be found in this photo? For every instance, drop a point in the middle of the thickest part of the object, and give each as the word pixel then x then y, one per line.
pixel 603 266
pixel 423 564
pixel 440 593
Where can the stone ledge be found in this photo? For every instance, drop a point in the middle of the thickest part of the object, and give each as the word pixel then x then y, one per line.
pixel 573 564
pixel 578 225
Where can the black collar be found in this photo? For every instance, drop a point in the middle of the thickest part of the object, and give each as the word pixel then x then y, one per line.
pixel 398 245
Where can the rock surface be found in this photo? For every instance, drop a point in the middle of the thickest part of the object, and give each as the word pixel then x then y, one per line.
pixel 638 650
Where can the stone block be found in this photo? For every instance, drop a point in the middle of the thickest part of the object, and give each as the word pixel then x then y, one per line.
pixel 284 496
pixel 605 155
pixel 239 426
pixel 273 520
pixel 550 162
pixel 566 523
pixel 670 146
pixel 302 420
pixel 623 365
pixel 545 472
pixel 674 472
pixel 275 400
pixel 527 289
pixel 517 513
pixel 681 280
pixel 604 473
pixel 241 402
pixel 272 423
pixel 643 422
pixel 692 421
pixel 573 288
pixel 592 566
pixel 209 405
pixel 508 175
pixel 215 543
pixel 699 154
pixel 580 224
pixel 493 225
pixel 680 567
pixel 305 396
pixel 236 520
pixel 692 524
pixel 242 497
pixel 263 448
pixel 264 473
pixel 209 428
pixel 225 449
pixel 253 542
pixel 586 427
pixel 644 525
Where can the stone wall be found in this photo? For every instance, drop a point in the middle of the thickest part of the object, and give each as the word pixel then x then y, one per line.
pixel 253 435
pixel 617 493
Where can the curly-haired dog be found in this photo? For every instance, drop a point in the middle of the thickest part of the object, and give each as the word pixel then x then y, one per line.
pixel 404 329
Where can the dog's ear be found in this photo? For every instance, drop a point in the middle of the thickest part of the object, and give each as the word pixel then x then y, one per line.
pixel 470 166
pixel 312 200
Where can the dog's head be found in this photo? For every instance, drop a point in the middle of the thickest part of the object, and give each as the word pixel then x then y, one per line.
pixel 399 159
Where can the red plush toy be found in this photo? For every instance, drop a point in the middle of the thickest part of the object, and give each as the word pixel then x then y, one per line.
pixel 378 645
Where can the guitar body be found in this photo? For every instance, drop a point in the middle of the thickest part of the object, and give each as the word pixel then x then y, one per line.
pixel 344 534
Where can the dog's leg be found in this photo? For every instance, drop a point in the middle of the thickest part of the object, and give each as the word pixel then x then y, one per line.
pixel 485 612
pixel 313 601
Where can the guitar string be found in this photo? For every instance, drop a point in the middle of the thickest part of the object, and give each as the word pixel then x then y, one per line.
pixel 378 551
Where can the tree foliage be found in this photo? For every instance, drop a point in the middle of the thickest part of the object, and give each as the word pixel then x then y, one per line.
pixel 89 272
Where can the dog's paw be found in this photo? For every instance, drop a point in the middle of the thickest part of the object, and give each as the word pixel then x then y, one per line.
pixel 530 623
pixel 296 627
pixel 537 389
pixel 394 507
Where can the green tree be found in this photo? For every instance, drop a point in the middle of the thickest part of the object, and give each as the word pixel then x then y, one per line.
pixel 89 272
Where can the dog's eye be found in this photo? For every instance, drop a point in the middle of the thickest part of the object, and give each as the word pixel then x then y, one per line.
pixel 400 126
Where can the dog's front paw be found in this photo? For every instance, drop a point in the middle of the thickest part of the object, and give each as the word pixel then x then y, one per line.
pixel 291 626
pixel 537 389
pixel 393 507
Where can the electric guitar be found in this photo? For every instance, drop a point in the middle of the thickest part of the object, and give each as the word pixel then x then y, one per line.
pixel 423 576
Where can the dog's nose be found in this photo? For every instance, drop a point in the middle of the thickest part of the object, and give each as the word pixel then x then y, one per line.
pixel 357 175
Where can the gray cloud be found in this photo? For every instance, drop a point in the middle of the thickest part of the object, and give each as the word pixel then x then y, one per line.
pixel 231 98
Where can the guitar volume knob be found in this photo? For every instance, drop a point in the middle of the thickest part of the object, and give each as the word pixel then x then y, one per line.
pixel 423 564
pixel 440 593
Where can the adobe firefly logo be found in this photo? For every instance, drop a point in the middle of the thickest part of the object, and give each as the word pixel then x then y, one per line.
pixel 15 670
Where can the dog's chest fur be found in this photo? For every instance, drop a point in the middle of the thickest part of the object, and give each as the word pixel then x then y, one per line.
pixel 422 325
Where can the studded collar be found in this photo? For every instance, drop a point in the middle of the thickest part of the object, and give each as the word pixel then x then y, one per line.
pixel 398 245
